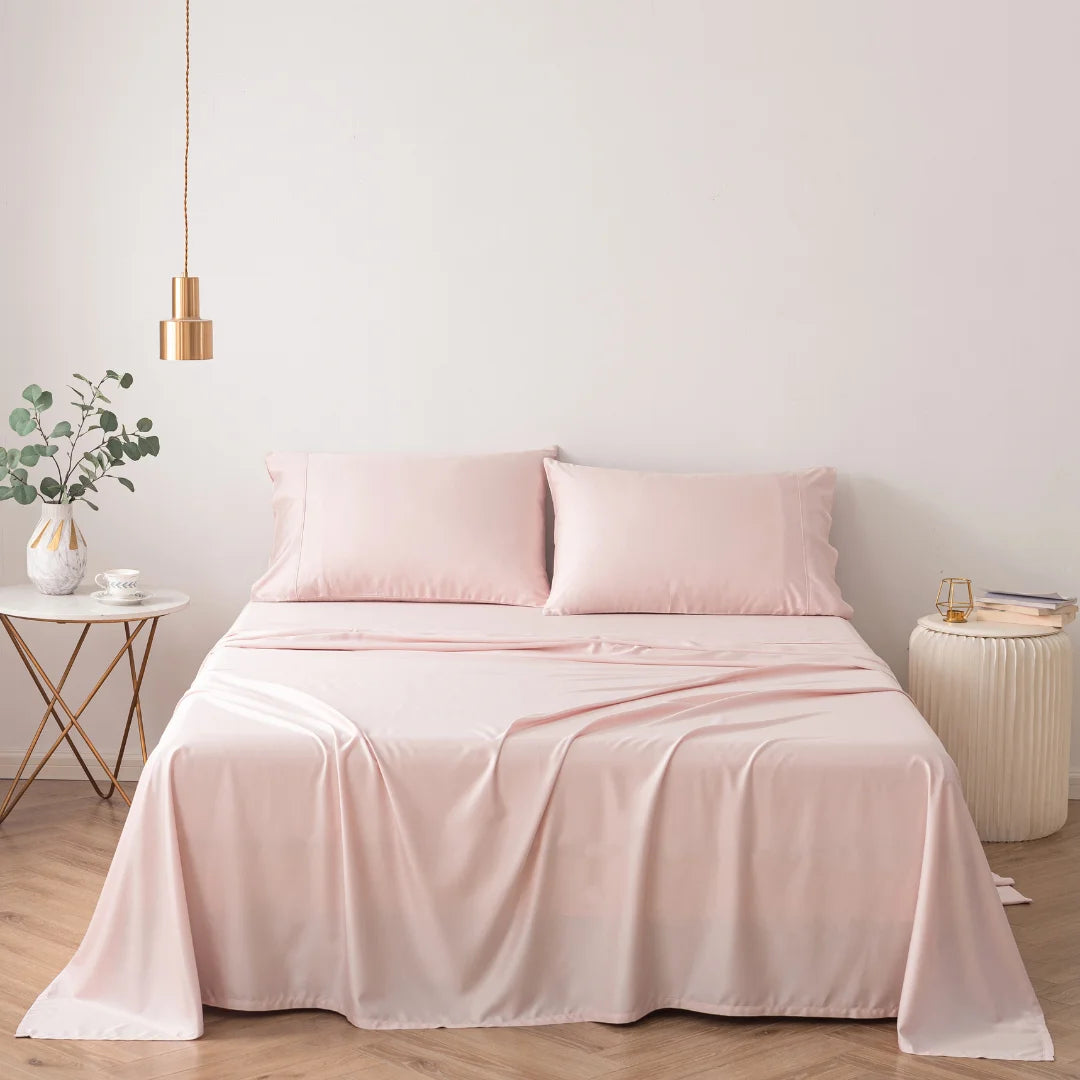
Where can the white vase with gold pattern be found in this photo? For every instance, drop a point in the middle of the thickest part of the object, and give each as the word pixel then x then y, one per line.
pixel 56 552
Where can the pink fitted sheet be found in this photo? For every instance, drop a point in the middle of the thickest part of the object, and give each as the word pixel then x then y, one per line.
pixel 423 815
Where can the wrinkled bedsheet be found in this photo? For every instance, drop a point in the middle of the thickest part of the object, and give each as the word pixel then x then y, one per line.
pixel 423 815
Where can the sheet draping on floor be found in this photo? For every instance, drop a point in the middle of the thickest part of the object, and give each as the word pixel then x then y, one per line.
pixel 448 815
pixel 1007 893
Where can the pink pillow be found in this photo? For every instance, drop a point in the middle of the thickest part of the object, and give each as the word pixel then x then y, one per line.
pixel 351 527
pixel 704 544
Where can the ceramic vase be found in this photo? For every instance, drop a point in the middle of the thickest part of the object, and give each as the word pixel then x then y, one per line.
pixel 56 551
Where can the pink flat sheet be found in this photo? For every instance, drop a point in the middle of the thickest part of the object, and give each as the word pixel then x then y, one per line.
pixel 448 815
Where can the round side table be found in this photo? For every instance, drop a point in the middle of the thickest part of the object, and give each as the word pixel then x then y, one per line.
pixel 25 602
pixel 1000 698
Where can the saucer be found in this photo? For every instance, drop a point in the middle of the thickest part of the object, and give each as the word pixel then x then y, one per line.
pixel 103 597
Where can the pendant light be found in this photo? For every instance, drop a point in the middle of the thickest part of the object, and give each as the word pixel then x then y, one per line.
pixel 186 336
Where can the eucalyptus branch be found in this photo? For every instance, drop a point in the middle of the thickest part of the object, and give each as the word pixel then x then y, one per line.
pixel 86 410
pixel 45 440
pixel 83 469
pixel 74 441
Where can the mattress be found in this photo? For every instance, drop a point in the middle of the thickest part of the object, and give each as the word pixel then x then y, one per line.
pixel 423 815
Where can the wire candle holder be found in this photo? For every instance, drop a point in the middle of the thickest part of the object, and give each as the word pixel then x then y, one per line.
pixel 955 601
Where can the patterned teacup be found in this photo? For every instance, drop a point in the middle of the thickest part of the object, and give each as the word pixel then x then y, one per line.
pixel 118 582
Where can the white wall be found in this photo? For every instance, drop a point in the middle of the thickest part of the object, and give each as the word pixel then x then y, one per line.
pixel 709 235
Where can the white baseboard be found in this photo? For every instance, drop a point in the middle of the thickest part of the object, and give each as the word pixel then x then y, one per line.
pixel 63 766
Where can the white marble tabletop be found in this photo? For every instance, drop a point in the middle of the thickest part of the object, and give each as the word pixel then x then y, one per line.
pixel 25 602
pixel 974 627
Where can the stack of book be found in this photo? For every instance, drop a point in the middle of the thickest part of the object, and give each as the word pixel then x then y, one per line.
pixel 1027 609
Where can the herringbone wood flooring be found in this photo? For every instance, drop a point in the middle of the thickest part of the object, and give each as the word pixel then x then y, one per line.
pixel 54 852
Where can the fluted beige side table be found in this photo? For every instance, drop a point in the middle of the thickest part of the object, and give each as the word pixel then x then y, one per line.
pixel 1000 699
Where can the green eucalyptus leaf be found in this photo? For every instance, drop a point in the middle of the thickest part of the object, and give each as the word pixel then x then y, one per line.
pixel 108 421
pixel 6 492
pixel 3 470
pixel 22 423
pixel 93 506
pixel 126 482
pixel 32 393
pixel 75 490
pixel 49 487
pixel 19 474
pixel 145 424
pixel 88 482
pixel 25 494
pixel 83 378
pixel 101 397
pixel 61 430
pixel 48 451
pixel 132 451
pixel 44 401
pixel 115 447
pixel 12 458
pixel 110 374
pixel 126 379
pixel 29 456
pixel 153 445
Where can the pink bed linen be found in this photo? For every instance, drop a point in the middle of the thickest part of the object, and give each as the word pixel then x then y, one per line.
pixel 449 815
pixel 693 543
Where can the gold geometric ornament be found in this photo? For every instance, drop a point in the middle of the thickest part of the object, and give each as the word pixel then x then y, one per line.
pixel 954 599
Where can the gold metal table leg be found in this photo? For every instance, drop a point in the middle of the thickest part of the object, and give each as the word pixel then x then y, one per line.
pixel 50 710
pixel 55 699
pixel 135 708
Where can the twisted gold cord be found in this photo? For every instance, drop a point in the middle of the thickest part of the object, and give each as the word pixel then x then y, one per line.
pixel 187 118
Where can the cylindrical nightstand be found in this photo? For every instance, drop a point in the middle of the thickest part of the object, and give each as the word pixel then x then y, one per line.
pixel 1000 698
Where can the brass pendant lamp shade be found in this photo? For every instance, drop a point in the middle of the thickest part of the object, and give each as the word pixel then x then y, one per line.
pixel 186 336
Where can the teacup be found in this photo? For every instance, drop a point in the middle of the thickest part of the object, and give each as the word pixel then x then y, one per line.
pixel 118 582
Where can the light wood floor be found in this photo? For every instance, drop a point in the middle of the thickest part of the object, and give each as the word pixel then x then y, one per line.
pixel 54 852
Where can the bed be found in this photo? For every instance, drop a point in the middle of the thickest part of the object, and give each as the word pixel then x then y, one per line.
pixel 423 815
